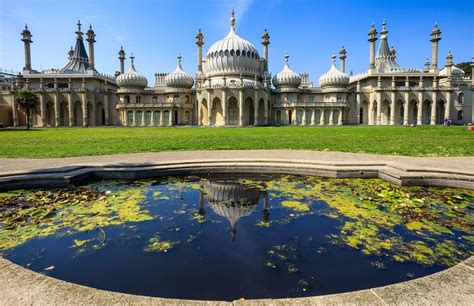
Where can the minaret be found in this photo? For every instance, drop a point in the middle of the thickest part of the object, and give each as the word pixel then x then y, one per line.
pixel 372 39
pixel 393 53
pixel 427 65
pixel 199 43
pixel 27 41
pixel 472 72
pixel 435 38
pixel 70 53
pixel 121 58
pixel 91 40
pixel 449 63
pixel 265 43
pixel 342 57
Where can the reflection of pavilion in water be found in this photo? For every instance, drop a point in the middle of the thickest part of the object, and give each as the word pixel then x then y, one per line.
pixel 232 200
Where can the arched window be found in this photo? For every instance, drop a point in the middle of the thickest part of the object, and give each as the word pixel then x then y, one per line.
pixel 339 98
pixel 138 99
pixel 126 99
pixel 461 98
pixel 460 115
pixel 155 99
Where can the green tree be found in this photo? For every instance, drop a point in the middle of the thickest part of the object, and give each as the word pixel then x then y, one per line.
pixel 27 100
pixel 466 67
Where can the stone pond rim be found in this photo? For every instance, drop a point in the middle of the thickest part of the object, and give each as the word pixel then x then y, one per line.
pixel 453 285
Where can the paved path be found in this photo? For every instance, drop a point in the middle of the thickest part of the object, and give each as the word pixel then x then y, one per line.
pixel 456 164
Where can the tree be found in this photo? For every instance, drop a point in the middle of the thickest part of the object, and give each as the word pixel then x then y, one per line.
pixel 466 67
pixel 27 100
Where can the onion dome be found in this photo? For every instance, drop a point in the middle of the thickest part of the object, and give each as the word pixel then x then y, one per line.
pixel 131 78
pixel 232 55
pixel 455 72
pixel 179 78
pixel 286 77
pixel 334 77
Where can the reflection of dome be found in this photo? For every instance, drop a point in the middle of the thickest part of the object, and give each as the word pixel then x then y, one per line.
pixel 231 200
pixel 131 78
pixel 179 78
pixel 334 77
pixel 232 55
pixel 287 77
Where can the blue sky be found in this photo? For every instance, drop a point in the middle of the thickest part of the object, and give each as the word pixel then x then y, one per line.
pixel 309 30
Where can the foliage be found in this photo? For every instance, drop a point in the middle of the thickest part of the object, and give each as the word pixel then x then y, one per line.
pixel 27 100
pixel 396 140
pixel 466 67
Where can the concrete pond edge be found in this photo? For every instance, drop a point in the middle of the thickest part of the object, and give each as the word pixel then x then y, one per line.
pixel 454 285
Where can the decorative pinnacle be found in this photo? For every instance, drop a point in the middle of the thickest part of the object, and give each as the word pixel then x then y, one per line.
pixel 232 18
pixel 79 25
pixel 286 58
pixel 26 27
pixel 132 59
pixel 333 58
pixel 179 57
pixel 342 52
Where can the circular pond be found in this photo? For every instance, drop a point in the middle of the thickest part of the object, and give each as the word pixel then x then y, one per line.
pixel 230 237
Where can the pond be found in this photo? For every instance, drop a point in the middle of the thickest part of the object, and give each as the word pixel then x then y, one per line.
pixel 229 237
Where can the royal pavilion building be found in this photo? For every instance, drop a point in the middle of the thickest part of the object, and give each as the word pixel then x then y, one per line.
pixel 233 87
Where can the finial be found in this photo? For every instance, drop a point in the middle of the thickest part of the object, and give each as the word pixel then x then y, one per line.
pixel 333 57
pixel 286 58
pixel 436 24
pixel 199 31
pixel 132 59
pixel 179 57
pixel 384 25
pixel 232 18
pixel 26 27
pixel 79 25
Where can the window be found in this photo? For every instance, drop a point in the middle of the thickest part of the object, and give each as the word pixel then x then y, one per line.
pixel 460 115
pixel 461 98
pixel 310 98
pixel 126 99
pixel 138 99
pixel 155 99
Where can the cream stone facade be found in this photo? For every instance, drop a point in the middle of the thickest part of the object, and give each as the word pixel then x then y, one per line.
pixel 233 87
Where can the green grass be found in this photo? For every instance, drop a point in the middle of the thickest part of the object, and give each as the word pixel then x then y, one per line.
pixel 61 142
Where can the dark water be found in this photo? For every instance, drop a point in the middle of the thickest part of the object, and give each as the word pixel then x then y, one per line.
pixel 228 238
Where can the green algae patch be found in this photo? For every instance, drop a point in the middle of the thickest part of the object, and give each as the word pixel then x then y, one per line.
pixel 295 205
pixel 34 214
pixel 155 244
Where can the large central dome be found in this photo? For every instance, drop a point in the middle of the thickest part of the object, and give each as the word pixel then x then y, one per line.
pixel 232 56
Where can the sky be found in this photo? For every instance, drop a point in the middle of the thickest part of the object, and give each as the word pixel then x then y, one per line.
pixel 309 30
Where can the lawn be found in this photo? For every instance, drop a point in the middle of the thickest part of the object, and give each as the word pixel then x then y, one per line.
pixel 61 142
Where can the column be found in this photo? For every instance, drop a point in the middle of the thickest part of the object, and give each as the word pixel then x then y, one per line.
pixel 106 109
pixel 313 117
pixel 447 107
pixel 42 110
pixel 287 116
pixel 224 106
pixel 392 108
pixel 209 112
pixel 331 117
pixel 161 116
pixel 85 111
pixel 379 107
pixel 255 108
pixel 56 109
pixel 14 111
pixel 358 108
pixel 70 108
pixel 406 105
pixel 199 105
pixel 93 110
pixel 266 110
pixel 419 114
pixel 294 117
pixel 303 119
pixel 241 107
pixel 170 121
pixel 340 117
pixel 434 98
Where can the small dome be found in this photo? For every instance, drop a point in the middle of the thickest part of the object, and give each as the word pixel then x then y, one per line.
pixel 334 77
pixel 179 78
pixel 232 55
pixel 286 77
pixel 131 78
pixel 455 72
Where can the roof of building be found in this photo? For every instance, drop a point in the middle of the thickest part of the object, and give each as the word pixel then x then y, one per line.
pixel 79 61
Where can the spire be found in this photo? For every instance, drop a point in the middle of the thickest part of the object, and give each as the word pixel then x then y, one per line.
pixel 132 60
pixel 79 61
pixel 179 57
pixel 232 19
